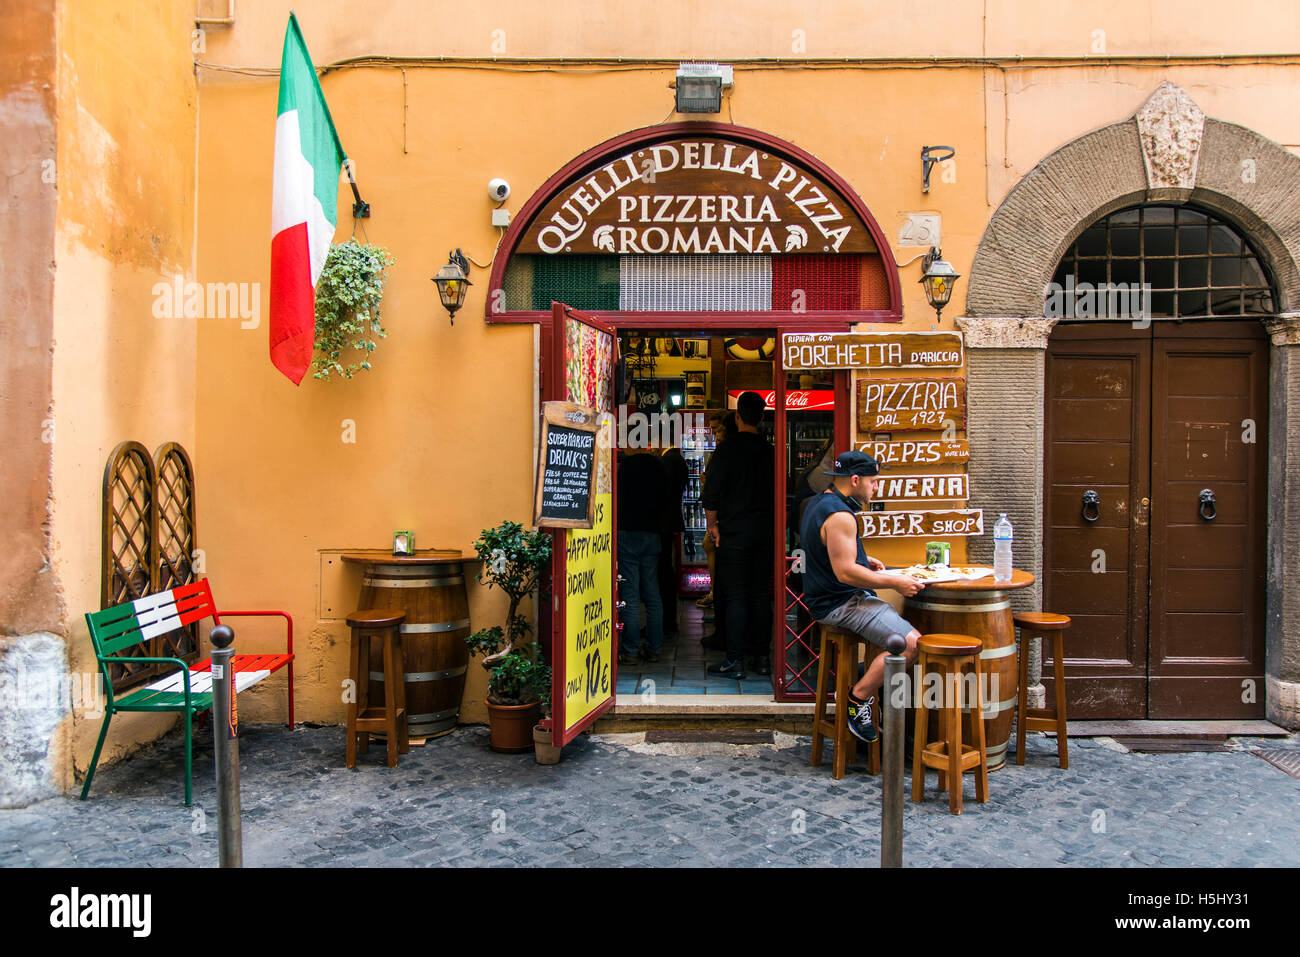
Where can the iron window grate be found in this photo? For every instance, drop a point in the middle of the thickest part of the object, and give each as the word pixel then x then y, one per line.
pixel 1197 265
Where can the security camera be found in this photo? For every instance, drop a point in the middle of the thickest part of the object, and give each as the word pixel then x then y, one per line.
pixel 499 190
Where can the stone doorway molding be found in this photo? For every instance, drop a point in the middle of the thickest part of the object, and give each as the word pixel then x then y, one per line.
pixel 1168 151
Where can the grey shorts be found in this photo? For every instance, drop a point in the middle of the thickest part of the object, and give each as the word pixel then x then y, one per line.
pixel 872 618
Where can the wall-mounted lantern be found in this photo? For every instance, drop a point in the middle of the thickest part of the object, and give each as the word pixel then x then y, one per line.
pixel 939 277
pixel 453 283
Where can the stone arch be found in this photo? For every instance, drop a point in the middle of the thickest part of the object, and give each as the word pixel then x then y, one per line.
pixel 1167 151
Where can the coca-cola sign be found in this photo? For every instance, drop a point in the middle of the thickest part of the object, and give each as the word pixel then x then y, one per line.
pixel 801 400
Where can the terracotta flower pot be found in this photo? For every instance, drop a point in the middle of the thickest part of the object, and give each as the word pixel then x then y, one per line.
pixel 511 726
pixel 546 753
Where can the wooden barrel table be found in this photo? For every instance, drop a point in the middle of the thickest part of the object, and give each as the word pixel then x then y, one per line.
pixel 981 609
pixel 430 588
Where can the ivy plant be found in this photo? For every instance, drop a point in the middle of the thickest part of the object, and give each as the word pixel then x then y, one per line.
pixel 348 293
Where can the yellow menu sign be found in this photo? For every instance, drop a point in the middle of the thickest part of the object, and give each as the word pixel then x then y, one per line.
pixel 589 615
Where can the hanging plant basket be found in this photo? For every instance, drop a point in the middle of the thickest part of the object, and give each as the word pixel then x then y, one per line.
pixel 348 294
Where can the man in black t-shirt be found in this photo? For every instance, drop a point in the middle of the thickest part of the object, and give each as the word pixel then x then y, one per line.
pixel 840 579
pixel 738 494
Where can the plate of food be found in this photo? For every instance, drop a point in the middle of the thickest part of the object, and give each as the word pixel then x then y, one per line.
pixel 944 573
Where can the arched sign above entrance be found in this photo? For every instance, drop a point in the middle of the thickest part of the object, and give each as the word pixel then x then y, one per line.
pixel 697 194
pixel 691 191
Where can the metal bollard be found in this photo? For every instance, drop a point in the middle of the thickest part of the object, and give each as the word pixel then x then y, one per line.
pixel 225 733
pixel 895 700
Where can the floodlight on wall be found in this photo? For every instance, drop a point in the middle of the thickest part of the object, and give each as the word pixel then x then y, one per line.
pixel 938 277
pixel 453 282
pixel 699 87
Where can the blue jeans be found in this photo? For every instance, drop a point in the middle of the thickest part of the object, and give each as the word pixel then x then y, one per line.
pixel 638 563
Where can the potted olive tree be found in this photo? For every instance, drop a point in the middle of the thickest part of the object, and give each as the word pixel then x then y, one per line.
pixel 512 559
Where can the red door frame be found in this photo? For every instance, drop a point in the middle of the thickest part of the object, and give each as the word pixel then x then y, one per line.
pixel 553 384
pixel 551 363
pixel 780 560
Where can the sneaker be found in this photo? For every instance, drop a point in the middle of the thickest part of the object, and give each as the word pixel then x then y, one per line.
pixel 860 724
pixel 705 602
pixel 628 657
pixel 728 669
pixel 651 656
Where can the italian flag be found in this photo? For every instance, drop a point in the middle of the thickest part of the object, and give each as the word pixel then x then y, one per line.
pixel 304 197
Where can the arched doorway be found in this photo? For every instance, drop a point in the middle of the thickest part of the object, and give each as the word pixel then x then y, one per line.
pixel 1144 415
pixel 702 232
pixel 1169 152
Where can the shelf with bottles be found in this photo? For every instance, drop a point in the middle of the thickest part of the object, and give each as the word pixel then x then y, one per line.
pixel 697 440
pixel 692 547
pixel 694 479
pixel 814 432
pixel 693 516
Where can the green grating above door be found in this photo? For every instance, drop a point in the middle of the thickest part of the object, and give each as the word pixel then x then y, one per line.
pixel 692 283
pixel 583 282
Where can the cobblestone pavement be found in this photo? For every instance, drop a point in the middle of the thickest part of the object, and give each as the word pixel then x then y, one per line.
pixel 614 800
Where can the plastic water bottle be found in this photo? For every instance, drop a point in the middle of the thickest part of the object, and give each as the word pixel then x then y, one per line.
pixel 1002 549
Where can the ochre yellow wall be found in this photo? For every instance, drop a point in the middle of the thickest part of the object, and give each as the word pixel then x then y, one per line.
pixel 443 422
pixel 731 29
pixel 125 221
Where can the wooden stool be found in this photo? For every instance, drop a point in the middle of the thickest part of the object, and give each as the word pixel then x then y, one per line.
pixel 383 624
pixel 1042 624
pixel 841 648
pixel 950 654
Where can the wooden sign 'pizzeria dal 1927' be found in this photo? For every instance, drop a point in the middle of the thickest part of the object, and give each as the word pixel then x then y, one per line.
pixel 697 195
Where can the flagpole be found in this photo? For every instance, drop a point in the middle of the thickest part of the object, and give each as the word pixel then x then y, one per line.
pixel 360 209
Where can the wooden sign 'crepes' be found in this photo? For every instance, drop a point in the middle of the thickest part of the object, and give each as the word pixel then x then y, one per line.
pixel 918 524
pixel 872 350
pixel 911 403
pixel 917 451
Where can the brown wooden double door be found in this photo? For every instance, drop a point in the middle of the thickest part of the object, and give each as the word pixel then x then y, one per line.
pixel 1165 593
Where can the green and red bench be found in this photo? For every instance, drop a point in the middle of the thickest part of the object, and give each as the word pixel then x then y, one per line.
pixel 188 689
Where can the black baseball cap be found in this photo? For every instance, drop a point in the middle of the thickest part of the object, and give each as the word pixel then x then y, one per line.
pixel 854 463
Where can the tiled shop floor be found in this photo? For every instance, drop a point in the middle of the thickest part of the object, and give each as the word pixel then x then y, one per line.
pixel 613 799
pixel 683 662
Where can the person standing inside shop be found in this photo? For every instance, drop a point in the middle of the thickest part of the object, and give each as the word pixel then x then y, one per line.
pixel 739 509
pixel 642 496
pixel 670 533
pixel 839 578
pixel 723 426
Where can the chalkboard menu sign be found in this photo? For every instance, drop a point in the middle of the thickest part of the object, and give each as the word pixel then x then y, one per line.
pixel 566 467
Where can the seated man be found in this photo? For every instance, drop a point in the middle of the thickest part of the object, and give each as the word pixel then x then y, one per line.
pixel 839 577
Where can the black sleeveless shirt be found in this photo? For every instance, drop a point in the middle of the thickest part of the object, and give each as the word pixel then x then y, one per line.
pixel 822 591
